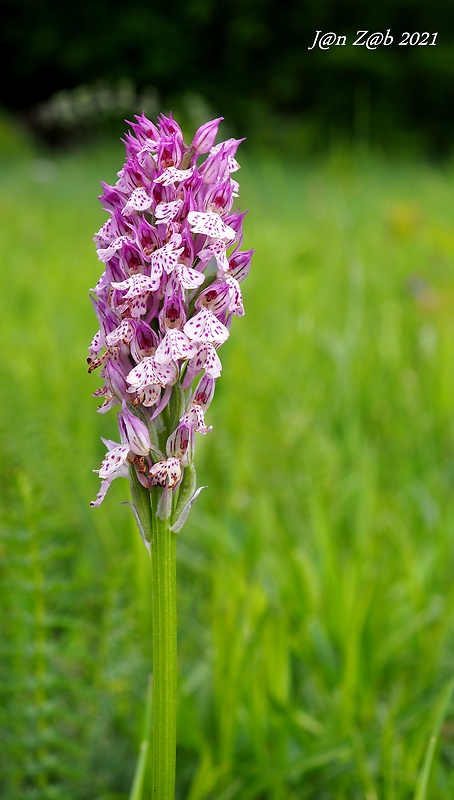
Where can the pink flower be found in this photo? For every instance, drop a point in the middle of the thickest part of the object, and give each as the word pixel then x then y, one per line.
pixel 165 301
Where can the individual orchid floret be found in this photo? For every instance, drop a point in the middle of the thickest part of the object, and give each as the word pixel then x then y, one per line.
pixel 206 359
pixel 165 473
pixel 139 200
pixel 219 198
pixel 169 127
pixel 164 304
pixel 205 327
pixel 136 290
pixel 169 151
pixel 204 392
pixel 113 466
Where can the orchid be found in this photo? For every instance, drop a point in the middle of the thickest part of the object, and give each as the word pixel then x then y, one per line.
pixel 173 264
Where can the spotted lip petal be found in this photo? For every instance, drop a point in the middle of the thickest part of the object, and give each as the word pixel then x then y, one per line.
pixel 113 461
pixel 136 285
pixel 144 374
pixel 165 259
pixel 173 175
pixel 123 333
pixel 195 419
pixel 149 373
pixel 166 212
pixel 105 253
pixel 205 327
pixel 211 224
pixel 174 346
pixel 217 249
pixel 189 278
pixel 139 201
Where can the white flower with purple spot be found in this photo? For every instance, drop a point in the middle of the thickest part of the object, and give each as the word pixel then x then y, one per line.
pixel 211 224
pixel 166 212
pixel 173 175
pixel 165 473
pixel 165 259
pixel 105 253
pixel 140 200
pixel 205 327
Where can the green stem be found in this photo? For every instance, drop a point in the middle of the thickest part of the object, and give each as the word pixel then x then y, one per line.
pixel 164 633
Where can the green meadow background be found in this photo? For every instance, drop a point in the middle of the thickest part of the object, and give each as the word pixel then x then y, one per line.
pixel 315 590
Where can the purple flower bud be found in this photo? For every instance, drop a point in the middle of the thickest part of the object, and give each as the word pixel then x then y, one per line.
pixel 133 432
pixel 204 137
pixel 169 127
pixel 169 152
pixel 172 314
pixel 240 264
pixel 216 297
pixel 215 166
pixel 219 197
pixel 147 237
pixel 144 342
pixel 180 444
pixel 204 392
pixel 114 373
pixel 144 129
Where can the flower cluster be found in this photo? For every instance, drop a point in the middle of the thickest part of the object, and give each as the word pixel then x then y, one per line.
pixel 173 267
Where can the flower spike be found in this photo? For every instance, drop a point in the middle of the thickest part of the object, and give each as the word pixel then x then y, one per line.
pixel 170 249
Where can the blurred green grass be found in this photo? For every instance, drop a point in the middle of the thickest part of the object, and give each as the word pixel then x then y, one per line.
pixel 315 574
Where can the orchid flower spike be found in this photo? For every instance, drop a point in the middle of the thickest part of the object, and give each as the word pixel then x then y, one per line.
pixel 172 258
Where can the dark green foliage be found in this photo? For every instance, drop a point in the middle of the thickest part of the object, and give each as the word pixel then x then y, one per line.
pixel 249 60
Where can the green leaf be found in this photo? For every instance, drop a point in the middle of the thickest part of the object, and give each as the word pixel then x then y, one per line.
pixel 443 705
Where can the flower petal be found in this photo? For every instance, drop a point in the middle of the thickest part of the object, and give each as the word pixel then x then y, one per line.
pixel 166 212
pixel 113 461
pixel 166 258
pixel 105 253
pixel 139 201
pixel 123 333
pixel 189 278
pixel 165 473
pixel 149 373
pixel 218 250
pixel 211 224
pixel 150 395
pixel 174 346
pixel 205 327
pixel 144 374
pixel 173 175
pixel 136 285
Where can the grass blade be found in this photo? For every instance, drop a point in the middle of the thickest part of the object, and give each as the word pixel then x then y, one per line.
pixel 423 780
